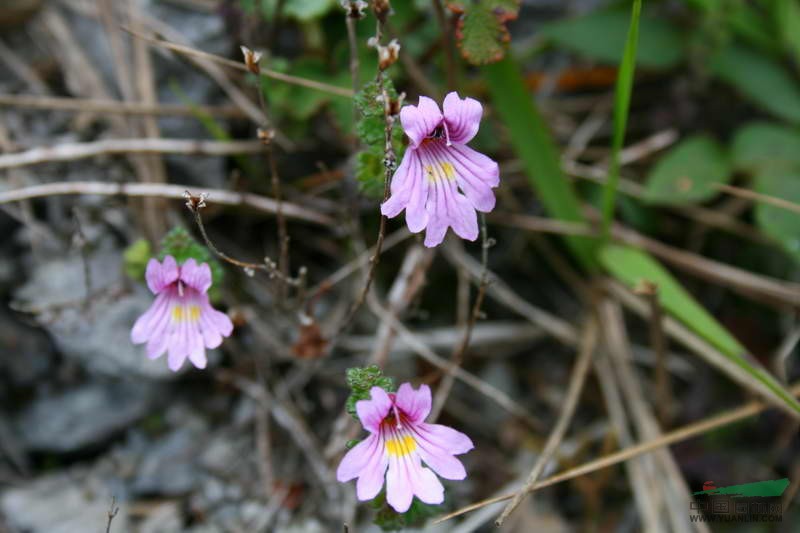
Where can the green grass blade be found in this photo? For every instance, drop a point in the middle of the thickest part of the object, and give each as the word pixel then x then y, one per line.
pixel 535 147
pixel 631 266
pixel 622 100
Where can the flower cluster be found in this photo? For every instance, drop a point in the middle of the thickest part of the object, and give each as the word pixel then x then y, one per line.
pixel 399 442
pixel 441 182
pixel 181 320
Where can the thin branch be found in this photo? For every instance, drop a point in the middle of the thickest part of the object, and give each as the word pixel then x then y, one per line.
pixel 161 190
pixel 759 197
pixel 576 382
pixel 295 80
pixel 195 204
pixel 458 353
pixel 490 391
pixel 389 160
pixel 74 151
pixel 113 107
pixel 112 512
pixel 686 432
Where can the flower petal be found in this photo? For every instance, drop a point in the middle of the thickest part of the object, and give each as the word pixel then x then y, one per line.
pixel 415 404
pixel 196 276
pixel 473 181
pixel 407 478
pixel 440 460
pixel 161 275
pixel 399 487
pixel 402 184
pixel 372 412
pixel 367 461
pixel 419 121
pixel 145 325
pixel 214 325
pixel 445 438
pixel 438 220
pixel 482 167
pixel 463 117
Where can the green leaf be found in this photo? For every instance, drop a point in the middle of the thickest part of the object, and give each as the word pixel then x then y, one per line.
pixel 360 381
pixel 181 245
pixel 532 142
pixel 689 172
pixel 600 35
pixel 781 224
pixel 761 79
pixel 415 518
pixel 622 102
pixel 370 173
pixel 632 266
pixel 301 10
pixel 763 146
pixel 482 33
pixel 787 17
pixel 135 259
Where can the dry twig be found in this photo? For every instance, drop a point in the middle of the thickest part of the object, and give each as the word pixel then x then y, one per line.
pixel 576 382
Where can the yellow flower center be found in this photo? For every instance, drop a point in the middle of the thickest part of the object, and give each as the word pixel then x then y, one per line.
pixel 181 313
pixel 401 446
pixel 440 170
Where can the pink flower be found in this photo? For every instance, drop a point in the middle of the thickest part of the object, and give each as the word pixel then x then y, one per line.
pixel 181 321
pixel 441 182
pixel 401 441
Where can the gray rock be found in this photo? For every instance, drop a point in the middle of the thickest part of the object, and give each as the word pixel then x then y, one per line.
pixel 170 466
pixel 62 503
pixel 98 337
pixel 25 353
pixel 84 416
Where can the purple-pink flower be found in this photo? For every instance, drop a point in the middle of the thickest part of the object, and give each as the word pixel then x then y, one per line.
pixel 181 321
pixel 441 182
pixel 401 441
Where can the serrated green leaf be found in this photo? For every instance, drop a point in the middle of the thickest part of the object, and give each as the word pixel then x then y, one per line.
pixel 370 173
pixel 689 172
pixel 764 146
pixel 781 224
pixel 482 33
pixel 761 79
pixel 632 266
pixel 360 381
pixel 182 246
pixel 600 35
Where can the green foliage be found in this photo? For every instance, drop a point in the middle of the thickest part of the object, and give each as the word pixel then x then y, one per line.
pixel 300 10
pixel 390 520
pixel 761 79
pixel 787 18
pixel 528 134
pixel 482 33
pixel 622 102
pixel 295 102
pixel 180 245
pixel 761 147
pixel 371 131
pixel 771 154
pixel 360 381
pixel 135 259
pixel 600 35
pixel 689 172
pixel 779 223
pixel 632 266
